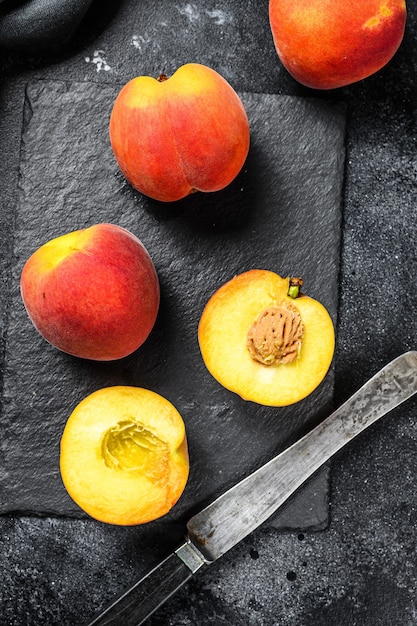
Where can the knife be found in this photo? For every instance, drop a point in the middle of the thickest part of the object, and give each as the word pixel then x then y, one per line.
pixel 241 509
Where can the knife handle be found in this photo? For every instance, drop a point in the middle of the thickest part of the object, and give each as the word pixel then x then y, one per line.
pixel 134 606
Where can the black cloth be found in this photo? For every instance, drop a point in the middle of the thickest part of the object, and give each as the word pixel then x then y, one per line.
pixel 37 25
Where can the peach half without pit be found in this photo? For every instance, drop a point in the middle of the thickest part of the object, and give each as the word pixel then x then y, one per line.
pixel 92 293
pixel 261 338
pixel 172 136
pixel 123 455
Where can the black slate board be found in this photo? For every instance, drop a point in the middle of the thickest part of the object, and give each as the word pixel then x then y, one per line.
pixel 283 213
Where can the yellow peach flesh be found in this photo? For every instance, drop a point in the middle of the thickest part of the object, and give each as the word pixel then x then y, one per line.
pixel 124 455
pixel 223 330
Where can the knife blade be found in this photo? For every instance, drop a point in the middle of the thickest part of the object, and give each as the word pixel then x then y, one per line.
pixel 240 510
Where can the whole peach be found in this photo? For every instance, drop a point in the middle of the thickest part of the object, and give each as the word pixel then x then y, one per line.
pixel 325 44
pixel 93 293
pixel 173 136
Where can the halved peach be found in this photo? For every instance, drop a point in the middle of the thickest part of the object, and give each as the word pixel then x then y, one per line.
pixel 124 457
pixel 261 338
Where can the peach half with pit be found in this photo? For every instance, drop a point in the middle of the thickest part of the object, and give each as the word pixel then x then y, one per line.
pixel 326 44
pixel 92 293
pixel 265 340
pixel 172 136
pixel 123 455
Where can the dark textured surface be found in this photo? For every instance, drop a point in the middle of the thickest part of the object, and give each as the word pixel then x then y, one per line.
pixel 39 24
pixel 362 569
pixel 69 179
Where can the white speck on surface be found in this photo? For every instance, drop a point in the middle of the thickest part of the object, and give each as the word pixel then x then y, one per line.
pixel 190 11
pixel 193 14
pixel 99 61
pixel 138 41
pixel 219 16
